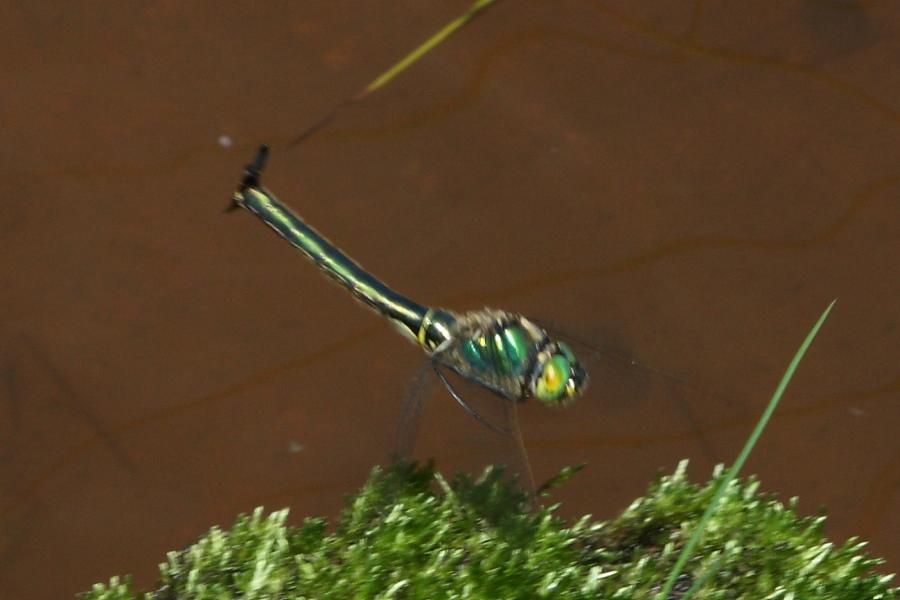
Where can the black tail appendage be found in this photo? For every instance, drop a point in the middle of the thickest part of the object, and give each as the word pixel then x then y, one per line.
pixel 251 174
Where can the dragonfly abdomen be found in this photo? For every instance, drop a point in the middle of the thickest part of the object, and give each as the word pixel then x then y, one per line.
pixel 428 327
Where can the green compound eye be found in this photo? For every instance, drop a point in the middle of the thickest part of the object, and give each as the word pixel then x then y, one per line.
pixel 551 384
pixel 567 352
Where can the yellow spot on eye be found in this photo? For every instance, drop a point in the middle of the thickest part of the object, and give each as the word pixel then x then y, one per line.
pixel 553 381
pixel 551 376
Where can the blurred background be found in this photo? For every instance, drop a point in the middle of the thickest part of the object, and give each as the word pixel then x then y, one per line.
pixel 686 183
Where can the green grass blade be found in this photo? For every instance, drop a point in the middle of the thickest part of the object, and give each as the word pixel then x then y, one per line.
pixel 742 457
pixel 560 478
pixel 403 64
pixel 425 47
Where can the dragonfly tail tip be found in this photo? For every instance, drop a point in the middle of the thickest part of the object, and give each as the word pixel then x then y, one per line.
pixel 255 168
pixel 250 178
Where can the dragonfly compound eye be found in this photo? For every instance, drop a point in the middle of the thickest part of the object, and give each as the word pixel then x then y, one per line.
pixel 550 387
pixel 560 378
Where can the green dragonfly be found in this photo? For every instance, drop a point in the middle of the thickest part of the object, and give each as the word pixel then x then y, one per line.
pixel 503 352
pixel 500 351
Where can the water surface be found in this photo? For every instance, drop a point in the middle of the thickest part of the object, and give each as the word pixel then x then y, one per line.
pixel 686 183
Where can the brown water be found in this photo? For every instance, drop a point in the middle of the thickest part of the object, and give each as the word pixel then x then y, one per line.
pixel 691 184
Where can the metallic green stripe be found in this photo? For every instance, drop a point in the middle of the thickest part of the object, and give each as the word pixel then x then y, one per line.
pixel 409 316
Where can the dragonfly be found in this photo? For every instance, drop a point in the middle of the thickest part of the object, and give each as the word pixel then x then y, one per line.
pixel 507 354
pixel 500 351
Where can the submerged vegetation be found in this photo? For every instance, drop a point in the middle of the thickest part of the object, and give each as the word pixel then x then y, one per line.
pixel 411 534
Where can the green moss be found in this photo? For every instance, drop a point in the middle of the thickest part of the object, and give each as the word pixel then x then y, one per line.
pixel 410 534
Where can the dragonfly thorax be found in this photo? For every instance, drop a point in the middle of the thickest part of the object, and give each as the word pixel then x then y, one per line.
pixel 512 357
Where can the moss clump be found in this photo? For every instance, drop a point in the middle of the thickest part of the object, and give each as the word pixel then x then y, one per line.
pixel 403 536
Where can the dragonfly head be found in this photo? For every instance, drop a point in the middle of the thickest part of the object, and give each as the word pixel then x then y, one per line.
pixel 557 377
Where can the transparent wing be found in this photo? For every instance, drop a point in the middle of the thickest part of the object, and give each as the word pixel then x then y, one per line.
pixel 627 403
pixel 659 405
pixel 414 400
pixel 492 435
pixel 517 461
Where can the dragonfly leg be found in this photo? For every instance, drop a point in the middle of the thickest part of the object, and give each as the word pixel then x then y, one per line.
pixel 465 405
pixel 521 464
